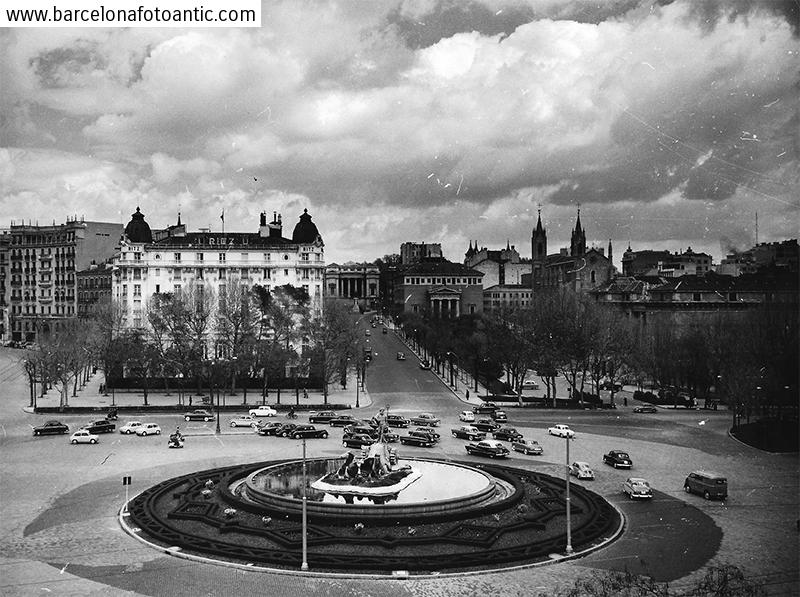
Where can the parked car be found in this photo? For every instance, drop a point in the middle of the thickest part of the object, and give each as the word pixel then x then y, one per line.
pixel 417 439
pixel 468 432
pixel 262 411
pixel 487 425
pixel 148 429
pixel 286 429
pixel 637 488
pixel 618 459
pixel 427 431
pixel 488 447
pixel 323 416
pixel 269 428
pixel 582 470
pixel 357 441
pixel 343 421
pixel 424 365
pixel 708 484
pixel 425 419
pixel 100 426
pixel 401 356
pixel 607 385
pixel 385 331
pixel 308 431
pixel 485 408
pixel 198 415
pixel 500 416
pixel 647 408
pixel 50 428
pixel 373 432
pixel 82 436
pixel 244 421
pixel 130 427
pixel 367 332
pixel 526 446
pixel 467 416
pixel 506 433
pixel 397 421
pixel 561 431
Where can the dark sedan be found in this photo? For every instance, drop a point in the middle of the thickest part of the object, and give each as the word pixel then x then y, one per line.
pixel 422 440
pixel 487 425
pixel 343 421
pixel 490 448
pixel 397 421
pixel 302 431
pixel 286 429
pixel 507 434
pixel 198 415
pixel 618 459
pixel 485 408
pixel 323 416
pixel 50 428
pixel 427 431
pixel 645 409
pixel 269 428
pixel 357 441
pixel 100 426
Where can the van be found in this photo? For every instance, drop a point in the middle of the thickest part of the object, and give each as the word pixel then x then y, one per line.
pixel 709 485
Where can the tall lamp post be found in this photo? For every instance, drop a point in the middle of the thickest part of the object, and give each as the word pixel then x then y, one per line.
pixel 304 564
pixel 453 378
pixel 357 368
pixel 569 507
pixel 218 431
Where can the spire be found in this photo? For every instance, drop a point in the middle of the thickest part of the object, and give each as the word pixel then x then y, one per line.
pixel 578 242
pixel 179 219
pixel 578 221
pixel 610 254
pixel 539 227
pixel 508 245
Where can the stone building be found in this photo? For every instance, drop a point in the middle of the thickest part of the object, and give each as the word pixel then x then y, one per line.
pixel 43 263
pixel 500 267
pixel 94 286
pixel 353 282
pixel 415 252
pixel 438 288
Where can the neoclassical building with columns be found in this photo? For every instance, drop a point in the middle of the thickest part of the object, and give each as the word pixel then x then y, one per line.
pixel 356 282
pixel 437 287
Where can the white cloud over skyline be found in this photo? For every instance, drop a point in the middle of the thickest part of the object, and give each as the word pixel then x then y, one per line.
pixel 428 121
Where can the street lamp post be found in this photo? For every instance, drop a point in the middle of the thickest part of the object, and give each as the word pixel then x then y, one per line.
pixel 357 368
pixel 218 431
pixel 569 520
pixel 304 564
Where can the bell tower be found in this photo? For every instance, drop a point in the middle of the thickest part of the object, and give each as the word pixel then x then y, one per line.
pixel 577 246
pixel 538 252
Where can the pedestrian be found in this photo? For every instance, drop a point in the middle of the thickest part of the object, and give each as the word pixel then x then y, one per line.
pixel 467 394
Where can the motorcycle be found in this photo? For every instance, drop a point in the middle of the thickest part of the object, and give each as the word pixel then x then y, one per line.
pixel 291 415
pixel 175 441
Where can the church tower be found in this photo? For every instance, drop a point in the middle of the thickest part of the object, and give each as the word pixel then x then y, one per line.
pixel 577 246
pixel 538 253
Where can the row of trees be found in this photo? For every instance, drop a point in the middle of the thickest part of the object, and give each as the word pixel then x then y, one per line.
pixel 748 357
pixel 248 337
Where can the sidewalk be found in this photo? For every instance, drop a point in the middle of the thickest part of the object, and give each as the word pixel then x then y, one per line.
pixel 90 396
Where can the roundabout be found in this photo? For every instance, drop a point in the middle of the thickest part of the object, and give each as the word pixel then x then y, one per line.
pixel 454 517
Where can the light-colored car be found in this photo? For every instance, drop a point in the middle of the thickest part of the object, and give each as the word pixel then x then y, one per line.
pixel 130 427
pixel 526 446
pixel 467 416
pixel 637 488
pixel 561 431
pixel 401 356
pixel 148 429
pixel 244 421
pixel 262 411
pixel 582 470
pixel 82 436
pixel 425 419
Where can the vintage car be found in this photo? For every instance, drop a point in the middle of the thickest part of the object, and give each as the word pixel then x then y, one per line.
pixel 417 439
pixel 373 432
pixel 302 431
pixel 148 429
pixel 424 365
pixel 646 408
pixel 397 421
pixel 357 441
pixel 262 411
pixel 343 421
pixel 485 408
pixel 618 459
pixel 582 470
pixel 500 416
pixel 561 431
pixel 323 416
pixel 526 446
pixel 385 330
pixel 401 356
pixel 198 415
pixel 244 421
pixel 82 436
pixel 637 488
pixel 100 426
pixel 488 447
pixel 467 416
pixel 425 419
pixel 427 431
pixel 468 432
pixel 487 425
pixel 130 427
pixel 507 434
pixel 269 428
pixel 50 428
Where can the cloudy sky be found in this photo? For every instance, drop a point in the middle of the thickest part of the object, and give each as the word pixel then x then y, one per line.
pixel 670 123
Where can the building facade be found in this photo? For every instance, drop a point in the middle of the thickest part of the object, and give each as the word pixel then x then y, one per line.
pixel 509 296
pixel 500 267
pixel 5 244
pixel 358 283
pixel 43 263
pixel 783 255
pixel 94 286
pixel 152 262
pixel 438 288
pixel 415 252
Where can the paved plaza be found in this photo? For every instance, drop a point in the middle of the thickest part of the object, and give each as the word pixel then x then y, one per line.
pixel 61 536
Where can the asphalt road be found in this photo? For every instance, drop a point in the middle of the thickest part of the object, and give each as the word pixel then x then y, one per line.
pixel 59 534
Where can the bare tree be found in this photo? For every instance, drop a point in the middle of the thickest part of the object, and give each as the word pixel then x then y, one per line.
pixel 335 339
pixel 237 324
